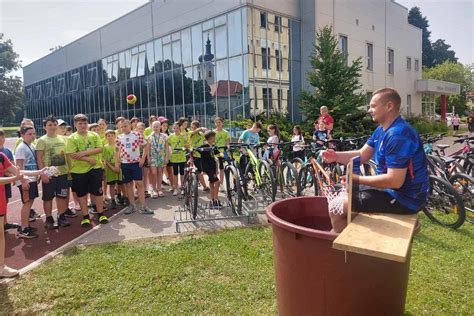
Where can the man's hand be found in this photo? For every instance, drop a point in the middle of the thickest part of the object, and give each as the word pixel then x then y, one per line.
pixel 329 156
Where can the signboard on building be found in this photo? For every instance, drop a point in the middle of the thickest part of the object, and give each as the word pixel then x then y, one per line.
pixel 437 87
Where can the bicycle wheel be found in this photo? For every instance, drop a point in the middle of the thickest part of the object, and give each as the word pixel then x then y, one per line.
pixel 297 163
pixel 234 190
pixel 444 205
pixel 307 181
pixel 248 181
pixel 191 193
pixel 289 180
pixel 464 185
pixel 268 185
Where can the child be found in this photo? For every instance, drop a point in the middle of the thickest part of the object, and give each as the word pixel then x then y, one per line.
pixel 158 156
pixel 25 156
pixel 50 152
pixel 121 198
pixel 149 130
pixel 298 147
pixel 222 139
pixel 321 135
pixel 94 127
pixel 249 137
pixel 169 167
pixel 8 187
pixel 84 149
pixel 68 131
pixel 196 139
pixel 134 121
pixel 178 157
pixel 146 168
pixel 62 125
pixel 111 158
pixel 209 166
pixel 273 139
pixel 129 144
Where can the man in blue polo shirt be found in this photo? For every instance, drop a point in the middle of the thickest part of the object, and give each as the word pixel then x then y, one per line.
pixel 401 183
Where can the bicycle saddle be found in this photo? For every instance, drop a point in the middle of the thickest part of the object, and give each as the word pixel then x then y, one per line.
pixel 442 146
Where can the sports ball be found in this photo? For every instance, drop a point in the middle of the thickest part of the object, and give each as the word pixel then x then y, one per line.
pixel 131 99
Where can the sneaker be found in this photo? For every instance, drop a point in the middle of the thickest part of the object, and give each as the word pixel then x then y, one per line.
pixel 161 194
pixel 126 202
pixel 70 213
pixel 154 195
pixel 120 199
pixel 93 209
pixel 113 205
pixel 218 204
pixel 146 210
pixel 50 224
pixel 171 190
pixel 147 195
pixel 129 210
pixel 33 216
pixel 175 192
pixel 8 226
pixel 34 229
pixel 163 182
pixel 27 233
pixel 62 221
pixel 103 219
pixel 85 222
pixel 7 272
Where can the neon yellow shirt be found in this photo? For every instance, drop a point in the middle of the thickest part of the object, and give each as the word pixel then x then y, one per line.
pixel 177 142
pixel 53 152
pixel 222 138
pixel 148 131
pixel 196 140
pixel 77 143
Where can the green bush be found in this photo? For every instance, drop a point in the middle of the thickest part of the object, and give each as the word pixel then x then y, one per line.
pixel 425 126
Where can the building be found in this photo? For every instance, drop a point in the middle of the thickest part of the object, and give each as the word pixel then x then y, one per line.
pixel 207 58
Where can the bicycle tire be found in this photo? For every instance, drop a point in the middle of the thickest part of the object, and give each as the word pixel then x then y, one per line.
pixel 268 186
pixel 193 183
pixel 298 163
pixel 452 214
pixel 248 179
pixel 234 190
pixel 289 180
pixel 307 180
pixel 464 185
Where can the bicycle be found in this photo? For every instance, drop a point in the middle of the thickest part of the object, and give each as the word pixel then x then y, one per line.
pixel 284 173
pixel 233 179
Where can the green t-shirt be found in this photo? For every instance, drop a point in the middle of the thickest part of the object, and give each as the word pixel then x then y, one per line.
pixel 222 138
pixel 53 152
pixel 148 131
pixel 109 155
pixel 177 142
pixel 77 143
pixel 196 140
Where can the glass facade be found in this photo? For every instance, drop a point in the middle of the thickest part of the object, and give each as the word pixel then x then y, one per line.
pixel 231 66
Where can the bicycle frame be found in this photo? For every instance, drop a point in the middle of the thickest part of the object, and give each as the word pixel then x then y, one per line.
pixel 255 165
pixel 317 167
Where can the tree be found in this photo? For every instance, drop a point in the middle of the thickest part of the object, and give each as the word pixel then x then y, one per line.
pixel 441 53
pixel 336 84
pixel 457 73
pixel 11 88
pixel 415 18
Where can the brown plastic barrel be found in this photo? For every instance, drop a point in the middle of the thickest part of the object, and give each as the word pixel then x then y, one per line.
pixel 312 278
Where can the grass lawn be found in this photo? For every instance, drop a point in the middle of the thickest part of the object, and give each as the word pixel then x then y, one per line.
pixel 227 272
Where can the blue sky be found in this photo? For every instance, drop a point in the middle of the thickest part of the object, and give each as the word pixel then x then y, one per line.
pixel 35 26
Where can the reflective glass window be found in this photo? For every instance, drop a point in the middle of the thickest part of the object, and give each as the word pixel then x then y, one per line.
pixel 158 56
pixel 221 42
pixel 186 47
pixel 234 23
pixel 196 33
pixel 176 47
pixel 150 57
pixel 167 57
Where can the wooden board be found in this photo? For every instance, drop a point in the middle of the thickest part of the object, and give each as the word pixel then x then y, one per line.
pixel 386 236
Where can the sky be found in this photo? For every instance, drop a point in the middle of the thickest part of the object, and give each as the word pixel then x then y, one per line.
pixel 35 26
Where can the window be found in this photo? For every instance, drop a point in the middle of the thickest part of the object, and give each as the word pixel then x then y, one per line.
pixel 61 85
pixel 267 98
pixel 277 23
pixel 112 68
pixel 265 58
pixel 391 61
pixel 343 45
pixel 279 62
pixel 368 97
pixel 49 88
pixel 138 61
pixel 370 56
pixel 29 94
pixel 280 96
pixel 91 78
pixel 408 63
pixel 75 80
pixel 417 65
pixel 263 19
pixel 408 104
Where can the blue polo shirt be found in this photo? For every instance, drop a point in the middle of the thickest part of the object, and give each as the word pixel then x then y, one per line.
pixel 400 147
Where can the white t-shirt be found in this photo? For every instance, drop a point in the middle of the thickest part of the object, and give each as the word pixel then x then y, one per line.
pixel 273 140
pixel 298 146
pixel 27 153
pixel 129 145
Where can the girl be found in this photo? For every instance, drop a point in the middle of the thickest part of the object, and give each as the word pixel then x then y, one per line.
pixel 113 174
pixel 222 139
pixel 298 147
pixel 145 169
pixel 196 140
pixel 321 135
pixel 134 121
pixel 102 129
pixel 273 139
pixel 178 157
pixel 183 127
pixel 158 156
pixel 169 167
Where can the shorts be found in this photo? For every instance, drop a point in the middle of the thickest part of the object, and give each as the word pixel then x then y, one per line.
pixel 32 192
pixel 131 172
pixel 178 167
pixel 211 173
pixel 455 127
pixel 372 200
pixel 198 164
pixel 8 191
pixel 89 182
pixel 56 187
pixel 221 163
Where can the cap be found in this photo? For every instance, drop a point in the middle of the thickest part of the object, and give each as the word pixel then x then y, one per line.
pixel 162 119
pixel 61 122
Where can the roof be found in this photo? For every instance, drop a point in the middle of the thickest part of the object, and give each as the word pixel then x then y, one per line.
pixel 222 89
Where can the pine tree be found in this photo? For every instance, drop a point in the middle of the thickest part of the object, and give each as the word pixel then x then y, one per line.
pixel 415 18
pixel 336 83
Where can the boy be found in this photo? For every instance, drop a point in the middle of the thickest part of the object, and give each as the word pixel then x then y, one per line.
pixel 321 134
pixel 209 166
pixel 8 186
pixel 50 152
pixel 176 142
pixel 222 139
pixel 249 137
pixel 25 156
pixel 112 164
pixel 196 139
pixel 84 149
pixel 129 144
